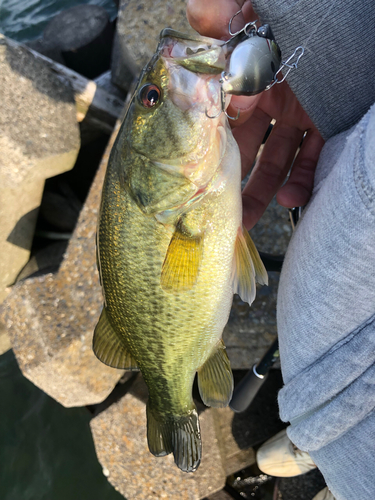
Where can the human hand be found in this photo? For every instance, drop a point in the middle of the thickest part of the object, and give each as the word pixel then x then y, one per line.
pixel 211 18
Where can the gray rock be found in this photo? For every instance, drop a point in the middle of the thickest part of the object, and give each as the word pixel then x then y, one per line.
pixel 84 35
pixel 120 441
pixel 39 138
pixel 104 81
pixel 220 495
pixel 138 27
pixel 46 260
pixel 97 109
pixel 234 457
pixel 79 37
pixel 5 344
pixel 52 52
pixel 51 319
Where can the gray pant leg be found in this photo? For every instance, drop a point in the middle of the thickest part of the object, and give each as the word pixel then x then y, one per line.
pixel 326 314
pixel 351 460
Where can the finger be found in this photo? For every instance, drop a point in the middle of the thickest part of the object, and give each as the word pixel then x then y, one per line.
pixel 245 106
pixel 270 171
pixel 297 190
pixel 211 17
pixel 249 138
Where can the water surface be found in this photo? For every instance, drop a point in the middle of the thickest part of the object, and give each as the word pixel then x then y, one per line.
pixel 24 20
pixel 46 450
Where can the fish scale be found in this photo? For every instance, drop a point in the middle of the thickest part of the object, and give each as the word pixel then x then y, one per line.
pixel 166 249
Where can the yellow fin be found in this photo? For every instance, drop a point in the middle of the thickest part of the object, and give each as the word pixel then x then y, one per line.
pixel 215 379
pixel 247 267
pixel 108 347
pixel 181 264
pixel 261 275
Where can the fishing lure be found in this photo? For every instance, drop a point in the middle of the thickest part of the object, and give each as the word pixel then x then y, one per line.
pixel 253 62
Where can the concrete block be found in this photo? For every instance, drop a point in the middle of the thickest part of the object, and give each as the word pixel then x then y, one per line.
pixel 39 138
pixel 137 33
pixel 51 319
pixel 119 434
pixel 220 495
pixel 234 457
pixel 97 109
pixel 79 37
pixel 5 344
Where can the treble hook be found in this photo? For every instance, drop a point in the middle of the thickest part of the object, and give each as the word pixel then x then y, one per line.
pixel 230 23
pixel 245 29
pixel 222 110
pixel 233 117
pixel 213 117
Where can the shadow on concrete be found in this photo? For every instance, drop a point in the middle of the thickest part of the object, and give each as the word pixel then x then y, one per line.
pixel 22 233
pixel 261 420
pixel 43 79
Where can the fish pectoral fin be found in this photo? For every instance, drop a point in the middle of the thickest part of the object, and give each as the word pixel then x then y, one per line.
pixel 181 264
pixel 215 379
pixel 261 275
pixel 247 267
pixel 108 347
pixel 179 434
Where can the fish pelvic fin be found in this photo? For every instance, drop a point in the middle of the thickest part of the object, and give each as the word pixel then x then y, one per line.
pixel 181 264
pixel 177 434
pixel 215 379
pixel 247 267
pixel 108 347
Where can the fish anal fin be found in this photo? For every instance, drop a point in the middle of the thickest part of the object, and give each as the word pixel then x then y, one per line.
pixel 215 379
pixel 108 347
pixel 181 264
pixel 177 434
pixel 247 267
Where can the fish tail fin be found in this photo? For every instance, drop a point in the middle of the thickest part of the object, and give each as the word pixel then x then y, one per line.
pixel 179 434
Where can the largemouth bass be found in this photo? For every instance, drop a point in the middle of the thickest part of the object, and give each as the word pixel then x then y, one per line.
pixel 170 243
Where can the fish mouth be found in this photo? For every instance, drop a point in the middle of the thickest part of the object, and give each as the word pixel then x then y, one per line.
pixel 198 54
pixel 193 91
pixel 171 33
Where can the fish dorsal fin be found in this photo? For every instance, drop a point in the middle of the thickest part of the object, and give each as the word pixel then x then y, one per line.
pixel 247 267
pixel 181 264
pixel 179 434
pixel 108 347
pixel 215 379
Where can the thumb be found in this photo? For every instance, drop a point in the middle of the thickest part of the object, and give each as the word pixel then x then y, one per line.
pixel 211 17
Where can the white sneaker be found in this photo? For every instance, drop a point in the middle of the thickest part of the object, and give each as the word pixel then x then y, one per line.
pixel 324 495
pixel 281 458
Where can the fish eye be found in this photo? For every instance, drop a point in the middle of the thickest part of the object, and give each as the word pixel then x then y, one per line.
pixel 149 95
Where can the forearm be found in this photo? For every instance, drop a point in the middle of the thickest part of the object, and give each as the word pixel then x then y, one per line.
pixel 335 80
